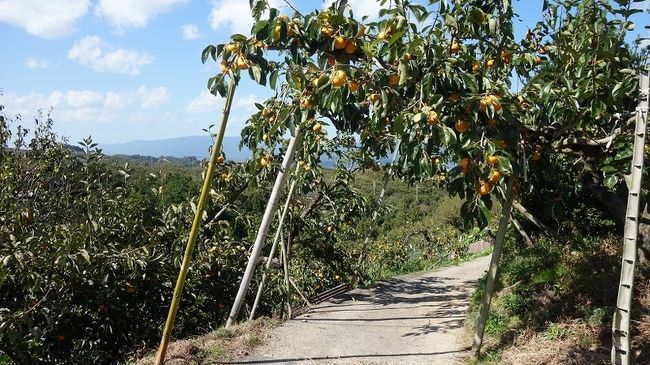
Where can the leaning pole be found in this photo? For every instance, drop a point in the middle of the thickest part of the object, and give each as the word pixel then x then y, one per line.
pixel 198 215
pixel 622 353
pixel 260 289
pixel 264 227
pixel 492 272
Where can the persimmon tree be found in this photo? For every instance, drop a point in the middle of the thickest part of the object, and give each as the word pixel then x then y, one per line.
pixel 581 112
pixel 436 82
pixel 439 79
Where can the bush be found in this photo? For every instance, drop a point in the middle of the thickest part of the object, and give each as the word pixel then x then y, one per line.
pixel 87 261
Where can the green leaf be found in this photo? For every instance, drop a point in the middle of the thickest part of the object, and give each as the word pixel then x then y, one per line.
pixel 256 73
pixel 611 181
pixel 608 168
pixel 448 135
pixel 451 21
pixel 84 253
pixel 403 72
pixel 206 53
pixel 273 79
pixel 492 25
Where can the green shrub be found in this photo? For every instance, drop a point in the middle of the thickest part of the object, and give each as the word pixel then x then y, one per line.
pixel 87 262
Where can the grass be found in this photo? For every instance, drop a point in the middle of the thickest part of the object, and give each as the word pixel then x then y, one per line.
pixel 489 357
pixel 252 340
pixel 556 332
pixel 213 352
pixel 220 345
pixel 553 303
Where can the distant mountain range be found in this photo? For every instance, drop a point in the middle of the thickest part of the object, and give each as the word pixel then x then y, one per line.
pixel 190 146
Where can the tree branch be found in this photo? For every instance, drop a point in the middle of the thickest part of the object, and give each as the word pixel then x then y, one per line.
pixel 534 220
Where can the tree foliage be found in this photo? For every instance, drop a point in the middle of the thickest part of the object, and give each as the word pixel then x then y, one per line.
pixel 438 79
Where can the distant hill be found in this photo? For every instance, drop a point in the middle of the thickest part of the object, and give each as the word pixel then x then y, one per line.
pixel 191 146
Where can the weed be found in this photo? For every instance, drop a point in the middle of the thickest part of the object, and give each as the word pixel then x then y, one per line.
pixel 497 324
pixel 223 332
pixel 213 352
pixel 252 340
pixel 489 357
pixel 598 316
pixel 556 332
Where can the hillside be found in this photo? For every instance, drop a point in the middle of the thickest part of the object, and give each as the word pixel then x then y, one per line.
pixel 189 146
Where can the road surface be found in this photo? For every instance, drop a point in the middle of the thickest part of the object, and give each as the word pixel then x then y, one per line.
pixel 411 319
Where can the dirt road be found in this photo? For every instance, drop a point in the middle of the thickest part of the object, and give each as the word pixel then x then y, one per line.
pixel 411 319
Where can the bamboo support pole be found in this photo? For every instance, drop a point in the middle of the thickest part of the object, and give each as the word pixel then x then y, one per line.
pixel 194 231
pixel 492 272
pixel 284 250
pixel 263 229
pixel 260 289
pixel 622 351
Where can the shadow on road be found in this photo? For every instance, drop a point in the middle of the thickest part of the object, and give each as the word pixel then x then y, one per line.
pixel 358 357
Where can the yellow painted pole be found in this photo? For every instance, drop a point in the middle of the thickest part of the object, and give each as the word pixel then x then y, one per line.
pixel 207 182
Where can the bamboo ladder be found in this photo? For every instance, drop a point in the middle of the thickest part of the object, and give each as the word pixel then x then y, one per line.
pixel 621 346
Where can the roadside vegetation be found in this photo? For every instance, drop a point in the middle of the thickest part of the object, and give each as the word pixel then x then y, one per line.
pixel 91 246
pixel 554 297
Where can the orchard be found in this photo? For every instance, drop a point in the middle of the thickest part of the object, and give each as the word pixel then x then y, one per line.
pixel 441 93
pixel 434 85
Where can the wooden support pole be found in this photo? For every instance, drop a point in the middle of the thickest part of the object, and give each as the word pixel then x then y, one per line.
pixel 293 283
pixel 536 221
pixel 622 351
pixel 264 227
pixel 492 272
pixel 198 216
pixel 273 248
pixel 521 231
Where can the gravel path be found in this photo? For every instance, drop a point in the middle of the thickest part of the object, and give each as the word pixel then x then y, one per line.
pixel 410 319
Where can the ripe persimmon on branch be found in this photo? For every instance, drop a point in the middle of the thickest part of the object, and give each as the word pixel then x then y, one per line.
pixel 438 78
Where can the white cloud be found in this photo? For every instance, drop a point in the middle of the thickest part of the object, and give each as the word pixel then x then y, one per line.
pixel 75 106
pixel 205 102
pixel 234 15
pixel 222 13
pixel 30 103
pixel 44 18
pixel 154 97
pixel 92 52
pixel 36 63
pixel 114 100
pixel 361 8
pixel 191 32
pixel 246 103
pixel 84 98
pixel 133 13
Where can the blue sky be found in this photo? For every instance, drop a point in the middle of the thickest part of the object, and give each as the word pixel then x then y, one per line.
pixel 122 70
